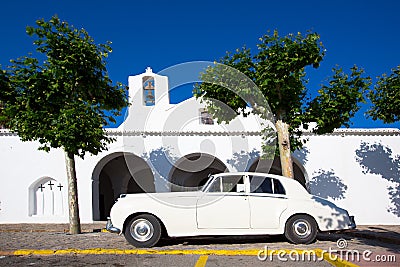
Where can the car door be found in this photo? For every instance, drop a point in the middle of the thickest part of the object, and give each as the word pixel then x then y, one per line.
pixel 267 201
pixel 225 204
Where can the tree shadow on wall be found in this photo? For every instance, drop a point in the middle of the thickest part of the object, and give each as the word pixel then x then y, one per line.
pixel 242 160
pixel 302 155
pixel 161 160
pixel 380 160
pixel 326 184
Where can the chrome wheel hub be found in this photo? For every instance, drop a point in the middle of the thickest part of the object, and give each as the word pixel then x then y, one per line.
pixel 302 228
pixel 142 230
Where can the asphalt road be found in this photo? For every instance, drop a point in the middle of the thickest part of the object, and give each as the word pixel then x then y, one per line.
pixel 147 260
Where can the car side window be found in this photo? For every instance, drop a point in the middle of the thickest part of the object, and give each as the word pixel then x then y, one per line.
pixel 278 187
pixel 259 184
pixel 227 184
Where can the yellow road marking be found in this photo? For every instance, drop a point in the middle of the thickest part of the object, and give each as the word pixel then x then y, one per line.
pixel 21 252
pixel 201 262
pixel 335 261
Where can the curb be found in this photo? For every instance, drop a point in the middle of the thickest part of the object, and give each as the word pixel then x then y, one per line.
pixel 374 236
pixel 94 230
pixel 49 227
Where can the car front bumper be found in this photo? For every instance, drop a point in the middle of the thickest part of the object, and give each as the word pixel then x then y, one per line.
pixel 111 228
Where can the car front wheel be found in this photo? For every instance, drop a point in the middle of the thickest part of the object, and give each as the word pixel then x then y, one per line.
pixel 143 231
pixel 301 229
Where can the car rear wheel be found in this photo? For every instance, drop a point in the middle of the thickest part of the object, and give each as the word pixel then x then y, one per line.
pixel 143 231
pixel 301 229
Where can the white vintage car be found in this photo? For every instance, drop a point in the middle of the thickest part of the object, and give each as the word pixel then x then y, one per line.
pixel 228 204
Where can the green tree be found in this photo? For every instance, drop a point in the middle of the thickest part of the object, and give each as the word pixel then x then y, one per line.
pixel 278 69
pixel 386 98
pixel 5 94
pixel 65 100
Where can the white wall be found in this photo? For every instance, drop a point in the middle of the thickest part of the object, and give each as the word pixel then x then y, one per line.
pixel 357 169
pixel 21 166
pixel 357 172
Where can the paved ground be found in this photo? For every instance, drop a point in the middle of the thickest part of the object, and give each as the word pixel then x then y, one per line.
pixel 34 241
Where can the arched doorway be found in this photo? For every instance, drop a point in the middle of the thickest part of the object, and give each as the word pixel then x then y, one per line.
pixel 192 171
pixel 264 166
pixel 115 174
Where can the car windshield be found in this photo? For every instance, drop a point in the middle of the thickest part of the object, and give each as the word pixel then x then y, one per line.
pixel 203 188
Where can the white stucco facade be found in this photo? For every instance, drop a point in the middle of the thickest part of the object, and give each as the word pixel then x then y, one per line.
pixel 359 169
pixel 168 147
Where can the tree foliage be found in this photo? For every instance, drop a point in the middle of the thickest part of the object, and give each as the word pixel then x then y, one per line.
pixel 386 98
pixel 337 102
pixel 5 95
pixel 62 101
pixel 278 68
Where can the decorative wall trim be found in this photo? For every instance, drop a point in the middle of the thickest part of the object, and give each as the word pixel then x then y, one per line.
pixel 178 133
pixel 6 132
pixel 360 132
pixel 337 132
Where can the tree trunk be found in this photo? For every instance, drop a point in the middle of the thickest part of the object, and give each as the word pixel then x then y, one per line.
pixel 284 148
pixel 74 221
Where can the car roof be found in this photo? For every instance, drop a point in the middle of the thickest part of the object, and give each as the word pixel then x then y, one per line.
pixel 252 173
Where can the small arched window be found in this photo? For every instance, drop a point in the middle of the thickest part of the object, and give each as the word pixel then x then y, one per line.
pixel 206 117
pixel 46 198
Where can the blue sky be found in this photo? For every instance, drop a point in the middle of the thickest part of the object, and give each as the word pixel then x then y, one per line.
pixel 164 33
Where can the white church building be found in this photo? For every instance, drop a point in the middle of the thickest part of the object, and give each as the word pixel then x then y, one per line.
pixel 170 147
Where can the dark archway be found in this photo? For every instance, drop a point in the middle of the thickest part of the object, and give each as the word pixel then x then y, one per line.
pixel 263 165
pixel 192 171
pixel 118 173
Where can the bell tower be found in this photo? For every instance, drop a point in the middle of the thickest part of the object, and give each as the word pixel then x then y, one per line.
pixel 148 89
pixel 147 92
